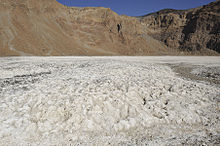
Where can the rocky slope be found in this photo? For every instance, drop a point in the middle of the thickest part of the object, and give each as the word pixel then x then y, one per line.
pixel 195 30
pixel 31 27
pixel 45 27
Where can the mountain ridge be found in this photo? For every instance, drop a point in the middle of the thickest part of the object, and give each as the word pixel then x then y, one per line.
pixel 48 28
pixel 192 30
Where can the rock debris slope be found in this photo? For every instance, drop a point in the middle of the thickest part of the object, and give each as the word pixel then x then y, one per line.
pixel 196 30
pixel 45 27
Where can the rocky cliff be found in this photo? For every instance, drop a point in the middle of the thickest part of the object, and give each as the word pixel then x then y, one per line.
pixel 45 27
pixel 196 31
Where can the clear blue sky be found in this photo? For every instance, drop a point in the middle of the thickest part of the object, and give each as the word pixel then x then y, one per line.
pixel 136 7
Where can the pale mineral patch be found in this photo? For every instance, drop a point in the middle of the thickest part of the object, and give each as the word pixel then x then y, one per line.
pixel 106 101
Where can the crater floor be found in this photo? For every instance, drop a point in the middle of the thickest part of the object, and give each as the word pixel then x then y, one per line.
pixel 109 101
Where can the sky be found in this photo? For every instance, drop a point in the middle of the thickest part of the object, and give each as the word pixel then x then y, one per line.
pixel 136 7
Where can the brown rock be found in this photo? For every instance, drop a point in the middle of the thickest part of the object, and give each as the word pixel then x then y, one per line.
pixel 45 27
pixel 39 27
pixel 196 31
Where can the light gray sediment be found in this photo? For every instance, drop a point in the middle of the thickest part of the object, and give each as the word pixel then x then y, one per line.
pixel 108 101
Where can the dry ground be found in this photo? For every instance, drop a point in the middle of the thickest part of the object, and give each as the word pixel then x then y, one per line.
pixel 109 101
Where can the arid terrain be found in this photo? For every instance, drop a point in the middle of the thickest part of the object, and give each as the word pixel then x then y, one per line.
pixel 109 101
pixel 48 28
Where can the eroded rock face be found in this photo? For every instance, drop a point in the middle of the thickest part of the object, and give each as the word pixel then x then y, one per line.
pixel 39 27
pixel 31 27
pixel 195 30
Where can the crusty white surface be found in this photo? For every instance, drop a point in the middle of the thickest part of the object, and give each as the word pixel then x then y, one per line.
pixel 105 101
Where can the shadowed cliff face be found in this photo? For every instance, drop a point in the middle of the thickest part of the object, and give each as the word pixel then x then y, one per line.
pixel 45 27
pixel 40 27
pixel 195 30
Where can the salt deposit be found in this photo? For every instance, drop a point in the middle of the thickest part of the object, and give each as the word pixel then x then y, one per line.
pixel 106 101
